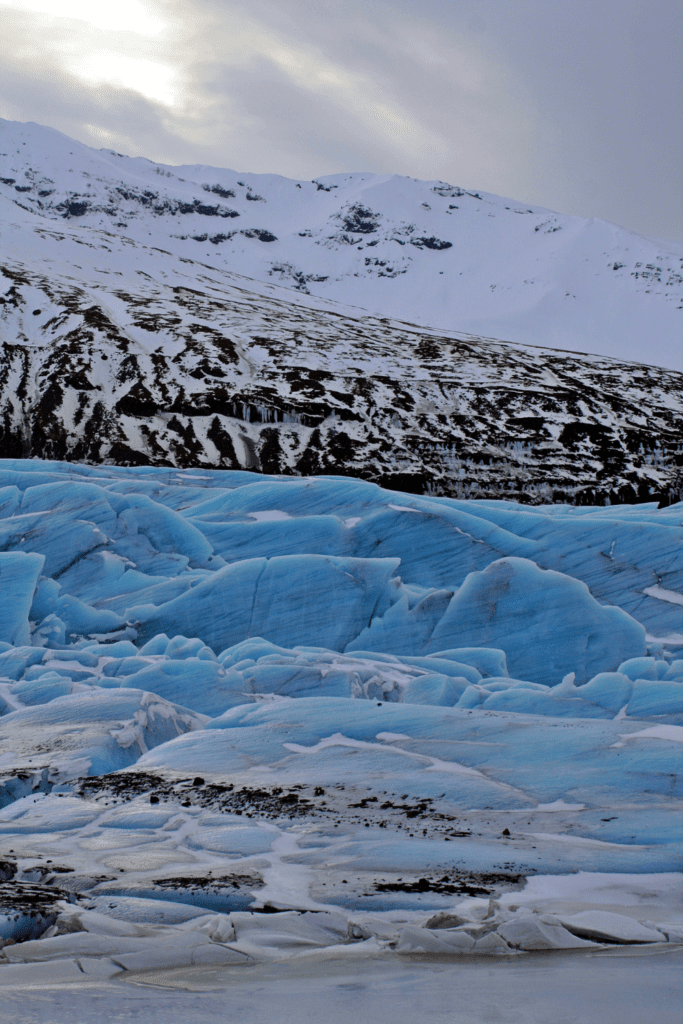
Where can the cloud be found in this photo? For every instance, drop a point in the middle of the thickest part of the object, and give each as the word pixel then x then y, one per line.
pixel 367 113
pixel 118 17
pixel 499 95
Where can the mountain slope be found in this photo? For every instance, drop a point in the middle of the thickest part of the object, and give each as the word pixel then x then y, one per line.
pixel 425 252
pixel 119 352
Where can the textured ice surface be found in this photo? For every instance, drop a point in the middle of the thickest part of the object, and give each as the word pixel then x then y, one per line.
pixel 223 694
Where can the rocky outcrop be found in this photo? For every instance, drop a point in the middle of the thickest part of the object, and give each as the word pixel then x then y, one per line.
pixel 215 375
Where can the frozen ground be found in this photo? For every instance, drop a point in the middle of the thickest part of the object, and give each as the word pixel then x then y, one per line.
pixel 248 720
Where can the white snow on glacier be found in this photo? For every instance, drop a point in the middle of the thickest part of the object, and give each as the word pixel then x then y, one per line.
pixel 248 717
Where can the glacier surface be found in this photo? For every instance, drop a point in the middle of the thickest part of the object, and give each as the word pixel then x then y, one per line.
pixel 245 715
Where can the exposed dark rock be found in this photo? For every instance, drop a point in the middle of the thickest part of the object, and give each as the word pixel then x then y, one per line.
pixel 242 381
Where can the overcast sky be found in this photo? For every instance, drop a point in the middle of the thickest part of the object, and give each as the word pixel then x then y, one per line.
pixel 573 104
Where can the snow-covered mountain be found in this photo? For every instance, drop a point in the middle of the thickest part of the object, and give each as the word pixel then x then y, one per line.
pixel 426 252
pixel 127 339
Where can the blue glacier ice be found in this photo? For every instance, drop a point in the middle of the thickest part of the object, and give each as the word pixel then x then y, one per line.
pixel 83 733
pixel 327 688
pixel 314 599
pixel 19 573
pixel 107 555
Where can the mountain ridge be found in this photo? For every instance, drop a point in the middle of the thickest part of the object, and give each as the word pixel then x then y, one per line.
pixel 193 368
pixel 116 349
pixel 422 252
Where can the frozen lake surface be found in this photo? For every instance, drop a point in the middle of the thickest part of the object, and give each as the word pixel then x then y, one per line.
pixel 609 987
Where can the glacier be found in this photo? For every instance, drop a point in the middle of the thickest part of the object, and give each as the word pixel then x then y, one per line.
pixel 246 717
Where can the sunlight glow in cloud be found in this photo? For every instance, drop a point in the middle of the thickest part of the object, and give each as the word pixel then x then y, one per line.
pixel 124 15
pixel 176 55
pixel 118 45
pixel 162 53
pixel 158 82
